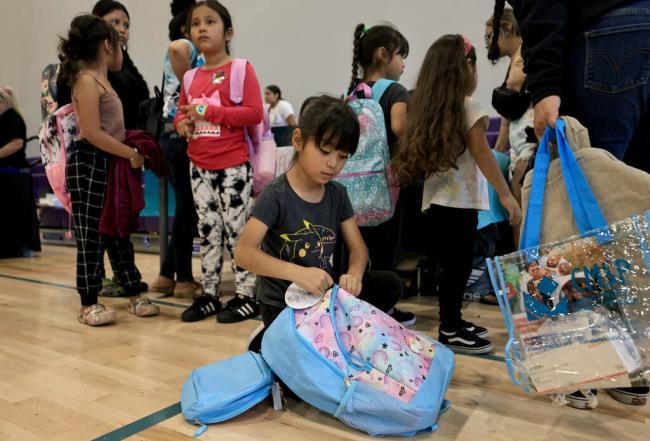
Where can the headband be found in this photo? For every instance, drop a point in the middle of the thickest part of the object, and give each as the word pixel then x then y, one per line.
pixel 468 45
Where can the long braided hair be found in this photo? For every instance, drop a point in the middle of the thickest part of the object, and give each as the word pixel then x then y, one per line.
pixel 365 44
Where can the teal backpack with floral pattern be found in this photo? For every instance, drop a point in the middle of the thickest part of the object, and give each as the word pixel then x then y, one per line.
pixel 367 175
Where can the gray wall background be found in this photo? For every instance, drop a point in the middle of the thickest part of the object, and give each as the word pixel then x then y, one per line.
pixel 304 46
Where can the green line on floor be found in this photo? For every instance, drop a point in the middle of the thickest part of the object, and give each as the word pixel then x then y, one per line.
pixel 142 424
pixel 492 357
pixel 179 305
pixel 61 285
pixel 40 282
pixel 166 303
pixel 173 410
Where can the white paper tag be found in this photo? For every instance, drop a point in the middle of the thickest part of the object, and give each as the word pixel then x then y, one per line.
pixel 298 298
pixel 575 365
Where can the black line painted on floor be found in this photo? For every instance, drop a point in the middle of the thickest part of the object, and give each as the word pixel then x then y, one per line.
pixel 142 424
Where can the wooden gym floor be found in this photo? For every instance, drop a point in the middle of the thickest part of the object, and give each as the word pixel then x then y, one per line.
pixel 60 380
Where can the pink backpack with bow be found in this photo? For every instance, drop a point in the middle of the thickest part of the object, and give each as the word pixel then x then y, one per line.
pixel 261 144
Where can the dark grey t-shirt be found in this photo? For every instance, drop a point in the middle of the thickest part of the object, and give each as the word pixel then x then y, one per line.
pixel 299 232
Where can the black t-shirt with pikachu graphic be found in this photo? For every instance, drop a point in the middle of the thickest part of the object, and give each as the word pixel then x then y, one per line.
pixel 299 232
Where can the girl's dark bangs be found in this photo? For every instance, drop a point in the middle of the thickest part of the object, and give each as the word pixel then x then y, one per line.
pixel 403 46
pixel 338 131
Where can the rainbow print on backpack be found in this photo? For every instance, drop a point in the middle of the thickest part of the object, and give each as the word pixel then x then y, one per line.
pixel 355 362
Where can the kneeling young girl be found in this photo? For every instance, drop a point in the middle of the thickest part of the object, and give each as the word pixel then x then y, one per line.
pixel 299 218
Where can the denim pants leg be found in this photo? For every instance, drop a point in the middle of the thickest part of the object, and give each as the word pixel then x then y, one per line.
pixel 607 87
pixel 178 256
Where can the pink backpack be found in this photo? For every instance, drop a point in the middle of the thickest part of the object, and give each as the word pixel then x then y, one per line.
pixel 56 137
pixel 261 144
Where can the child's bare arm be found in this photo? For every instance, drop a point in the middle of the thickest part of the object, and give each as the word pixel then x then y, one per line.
pixel 398 113
pixel 351 280
pixel 480 151
pixel 180 54
pixel 86 95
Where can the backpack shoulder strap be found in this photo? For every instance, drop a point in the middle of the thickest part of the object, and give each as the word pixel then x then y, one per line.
pixel 237 77
pixel 380 87
pixel 195 53
pixel 361 91
pixel 188 77
pixel 64 110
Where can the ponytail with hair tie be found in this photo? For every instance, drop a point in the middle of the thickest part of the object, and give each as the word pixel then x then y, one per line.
pixel 367 40
pixel 494 53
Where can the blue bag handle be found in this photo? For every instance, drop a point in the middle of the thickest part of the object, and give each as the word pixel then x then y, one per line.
pixel 499 284
pixel 533 222
pixel 589 216
pixel 355 362
pixel 586 211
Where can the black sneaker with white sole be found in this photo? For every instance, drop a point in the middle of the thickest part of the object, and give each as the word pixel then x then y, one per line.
pixel 577 400
pixel 633 396
pixel 464 342
pixel 238 309
pixel 474 329
pixel 405 318
pixel 203 306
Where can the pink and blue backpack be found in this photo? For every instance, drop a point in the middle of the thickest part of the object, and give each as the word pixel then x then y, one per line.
pixel 367 175
pixel 355 362
pixel 261 144
pixel 342 356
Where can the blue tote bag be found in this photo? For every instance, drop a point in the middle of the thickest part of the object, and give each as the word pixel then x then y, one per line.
pixel 577 310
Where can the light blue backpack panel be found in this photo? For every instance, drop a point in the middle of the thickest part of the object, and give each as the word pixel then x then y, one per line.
pixel 365 174
pixel 223 390
pixel 321 383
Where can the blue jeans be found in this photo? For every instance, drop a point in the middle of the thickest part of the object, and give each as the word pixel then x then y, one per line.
pixel 178 256
pixel 607 88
